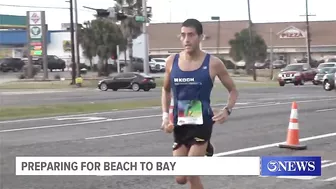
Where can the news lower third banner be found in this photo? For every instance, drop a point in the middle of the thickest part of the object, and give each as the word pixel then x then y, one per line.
pixel 105 166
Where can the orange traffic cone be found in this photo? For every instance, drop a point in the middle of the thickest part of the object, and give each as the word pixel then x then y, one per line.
pixel 293 133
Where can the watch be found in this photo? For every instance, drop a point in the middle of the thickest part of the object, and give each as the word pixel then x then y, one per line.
pixel 229 110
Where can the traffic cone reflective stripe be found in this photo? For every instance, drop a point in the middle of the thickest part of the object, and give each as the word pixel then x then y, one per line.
pixel 293 133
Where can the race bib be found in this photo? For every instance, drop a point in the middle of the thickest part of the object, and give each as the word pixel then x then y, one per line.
pixel 189 112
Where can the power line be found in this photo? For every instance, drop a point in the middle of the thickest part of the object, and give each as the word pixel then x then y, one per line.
pixel 43 7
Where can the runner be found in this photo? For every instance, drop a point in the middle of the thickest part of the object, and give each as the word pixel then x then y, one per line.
pixel 190 75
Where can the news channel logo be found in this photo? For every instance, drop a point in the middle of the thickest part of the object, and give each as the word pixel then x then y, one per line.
pixel 291 166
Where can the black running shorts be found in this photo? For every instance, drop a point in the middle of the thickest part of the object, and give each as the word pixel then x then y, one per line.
pixel 189 135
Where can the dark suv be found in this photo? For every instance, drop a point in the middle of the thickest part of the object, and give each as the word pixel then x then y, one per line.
pixel 11 64
pixel 54 63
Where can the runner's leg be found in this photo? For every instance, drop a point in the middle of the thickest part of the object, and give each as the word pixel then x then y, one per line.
pixel 198 149
pixel 181 150
pixel 210 149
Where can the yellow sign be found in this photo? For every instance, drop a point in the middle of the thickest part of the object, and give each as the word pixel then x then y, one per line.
pixel 66 45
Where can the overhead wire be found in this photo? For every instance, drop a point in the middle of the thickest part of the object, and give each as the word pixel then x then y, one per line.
pixel 42 7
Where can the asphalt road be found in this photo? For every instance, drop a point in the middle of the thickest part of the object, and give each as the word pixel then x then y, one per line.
pixel 39 97
pixel 259 120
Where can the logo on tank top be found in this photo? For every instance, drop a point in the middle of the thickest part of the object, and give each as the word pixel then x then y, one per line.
pixel 184 80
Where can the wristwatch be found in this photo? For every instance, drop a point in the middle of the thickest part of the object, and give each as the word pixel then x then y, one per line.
pixel 229 110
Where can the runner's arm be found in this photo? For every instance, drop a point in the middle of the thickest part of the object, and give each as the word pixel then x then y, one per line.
pixel 227 81
pixel 165 98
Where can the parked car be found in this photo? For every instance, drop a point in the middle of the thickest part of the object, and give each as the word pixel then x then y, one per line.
pixel 158 64
pixel 54 63
pixel 329 80
pixel 279 64
pixel 325 65
pixel 296 73
pixel 11 64
pixel 318 79
pixel 240 65
pixel 262 65
pixel 129 80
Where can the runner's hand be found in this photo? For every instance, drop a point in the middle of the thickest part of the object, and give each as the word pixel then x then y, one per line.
pixel 220 116
pixel 165 122
pixel 167 126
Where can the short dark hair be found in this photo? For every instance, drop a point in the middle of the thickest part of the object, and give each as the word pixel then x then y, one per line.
pixel 194 23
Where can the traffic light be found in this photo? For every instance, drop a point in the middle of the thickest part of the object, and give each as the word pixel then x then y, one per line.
pixel 121 16
pixel 102 13
pixel 110 13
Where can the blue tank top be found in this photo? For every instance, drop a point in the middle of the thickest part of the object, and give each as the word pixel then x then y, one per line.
pixel 192 85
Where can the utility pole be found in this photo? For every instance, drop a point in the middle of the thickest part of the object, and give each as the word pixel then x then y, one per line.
pixel 72 45
pixel 218 32
pixel 271 52
pixel 308 37
pixel 251 41
pixel 76 39
pixel 145 33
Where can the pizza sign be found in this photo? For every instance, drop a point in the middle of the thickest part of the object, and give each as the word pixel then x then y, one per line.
pixel 292 33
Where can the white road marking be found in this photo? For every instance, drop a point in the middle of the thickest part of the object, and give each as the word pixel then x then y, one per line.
pixel 324 110
pixel 74 115
pixel 329 164
pixel 330 179
pixel 142 117
pixel 73 124
pixel 123 134
pixel 326 161
pixel 146 108
pixel 272 145
pixel 307 177
pixel 81 118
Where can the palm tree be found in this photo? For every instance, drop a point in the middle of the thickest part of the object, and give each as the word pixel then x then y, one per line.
pixel 242 49
pixel 129 27
pixel 101 38
pixel 87 41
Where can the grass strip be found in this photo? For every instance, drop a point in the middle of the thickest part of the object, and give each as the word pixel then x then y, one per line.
pixel 7 113
pixel 67 109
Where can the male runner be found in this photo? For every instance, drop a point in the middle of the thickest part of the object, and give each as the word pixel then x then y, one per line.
pixel 190 75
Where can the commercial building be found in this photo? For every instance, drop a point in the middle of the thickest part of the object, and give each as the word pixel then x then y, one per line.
pixel 288 39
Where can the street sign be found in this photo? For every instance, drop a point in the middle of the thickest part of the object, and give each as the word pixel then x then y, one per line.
pixel 140 19
pixel 215 18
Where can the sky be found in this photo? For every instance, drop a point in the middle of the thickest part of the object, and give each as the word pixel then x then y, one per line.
pixel 179 10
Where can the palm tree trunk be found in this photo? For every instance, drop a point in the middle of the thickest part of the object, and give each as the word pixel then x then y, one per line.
pixel 106 68
pixel 100 67
pixel 130 54
pixel 91 66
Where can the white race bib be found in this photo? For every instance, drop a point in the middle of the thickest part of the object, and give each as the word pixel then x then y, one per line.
pixel 189 112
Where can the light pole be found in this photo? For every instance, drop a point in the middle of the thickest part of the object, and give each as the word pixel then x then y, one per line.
pixel 308 34
pixel 251 55
pixel 218 32
pixel 72 44
pixel 145 34
pixel 76 38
